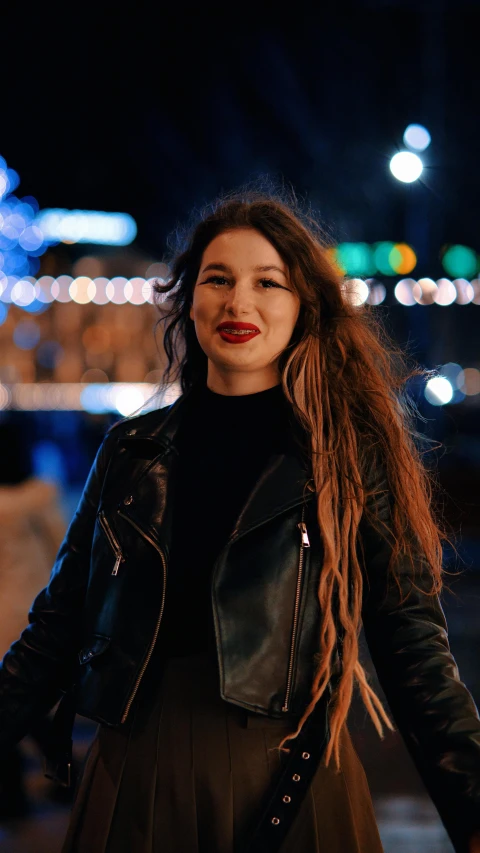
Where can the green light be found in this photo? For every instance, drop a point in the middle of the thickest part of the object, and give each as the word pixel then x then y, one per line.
pixel 382 255
pixel 460 262
pixel 355 258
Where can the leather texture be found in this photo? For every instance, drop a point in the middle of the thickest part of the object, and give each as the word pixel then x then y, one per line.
pixel 93 628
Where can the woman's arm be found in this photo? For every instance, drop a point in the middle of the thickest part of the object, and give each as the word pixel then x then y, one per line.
pixel 433 709
pixel 37 664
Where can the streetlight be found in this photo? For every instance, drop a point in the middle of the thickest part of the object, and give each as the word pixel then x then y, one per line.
pixel 406 166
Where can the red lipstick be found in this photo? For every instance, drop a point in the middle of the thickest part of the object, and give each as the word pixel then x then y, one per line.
pixel 237 333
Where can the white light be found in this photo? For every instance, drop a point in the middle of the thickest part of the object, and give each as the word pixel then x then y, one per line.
pixel 23 293
pixel 464 291
pixel 476 291
pixel 4 397
pixel 135 291
pixel 446 293
pixel 356 291
pixel 115 290
pixel 82 290
pixel 377 293
pixel 416 136
pixel 87 226
pixel 424 291
pixel 100 297
pixel 404 291
pixel 438 391
pixel 61 288
pixel 128 399
pixel 43 289
pixel 406 166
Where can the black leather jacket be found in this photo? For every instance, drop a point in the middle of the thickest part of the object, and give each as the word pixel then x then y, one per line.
pixel 96 623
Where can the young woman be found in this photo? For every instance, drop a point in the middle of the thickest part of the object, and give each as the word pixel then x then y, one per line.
pixel 223 556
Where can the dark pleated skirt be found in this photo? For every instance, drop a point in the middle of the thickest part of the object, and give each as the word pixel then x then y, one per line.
pixel 191 772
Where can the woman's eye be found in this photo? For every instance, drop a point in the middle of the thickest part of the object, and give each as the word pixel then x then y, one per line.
pixel 268 282
pixel 216 279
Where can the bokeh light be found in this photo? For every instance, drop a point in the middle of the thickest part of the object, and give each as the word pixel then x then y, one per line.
pixel 402 258
pixel 464 291
pixel 425 291
pixel 82 290
pixel 87 226
pixel 26 335
pixel 446 293
pixel 439 391
pixel 404 291
pixel 406 166
pixel 460 261
pixel 468 381
pixel 377 292
pixel 417 137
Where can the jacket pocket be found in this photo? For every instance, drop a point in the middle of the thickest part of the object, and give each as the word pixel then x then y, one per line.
pixel 97 647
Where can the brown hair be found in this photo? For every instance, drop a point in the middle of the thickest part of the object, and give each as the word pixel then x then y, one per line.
pixel 345 380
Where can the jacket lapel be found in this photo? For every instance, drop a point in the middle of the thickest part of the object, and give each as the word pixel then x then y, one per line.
pixel 282 485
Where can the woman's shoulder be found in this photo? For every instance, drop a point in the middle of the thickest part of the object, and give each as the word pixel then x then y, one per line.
pixel 145 425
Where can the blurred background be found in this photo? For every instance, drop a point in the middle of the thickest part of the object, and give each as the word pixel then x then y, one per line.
pixel 114 129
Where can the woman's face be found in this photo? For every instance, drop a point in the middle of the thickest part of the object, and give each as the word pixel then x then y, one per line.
pixel 244 310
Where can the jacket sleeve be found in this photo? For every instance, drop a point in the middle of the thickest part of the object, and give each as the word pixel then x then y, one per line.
pixel 41 661
pixel 407 637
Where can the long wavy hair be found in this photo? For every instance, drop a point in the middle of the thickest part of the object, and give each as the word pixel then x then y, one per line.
pixel 346 382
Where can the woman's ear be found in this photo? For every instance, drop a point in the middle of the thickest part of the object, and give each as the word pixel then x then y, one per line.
pixel 190 313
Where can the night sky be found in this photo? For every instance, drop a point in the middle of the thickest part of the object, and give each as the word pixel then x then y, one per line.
pixel 157 111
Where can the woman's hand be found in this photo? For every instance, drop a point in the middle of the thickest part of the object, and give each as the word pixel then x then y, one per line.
pixel 474 846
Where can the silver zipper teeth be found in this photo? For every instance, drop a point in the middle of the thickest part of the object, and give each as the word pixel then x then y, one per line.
pixel 304 544
pixel 157 626
pixel 113 542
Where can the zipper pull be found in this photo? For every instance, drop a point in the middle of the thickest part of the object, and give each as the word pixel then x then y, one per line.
pixel 303 530
pixel 117 564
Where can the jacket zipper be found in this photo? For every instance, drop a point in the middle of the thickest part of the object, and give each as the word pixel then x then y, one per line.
pixel 305 543
pixel 113 543
pixel 160 616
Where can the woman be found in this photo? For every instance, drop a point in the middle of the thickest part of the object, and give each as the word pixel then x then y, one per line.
pixel 222 558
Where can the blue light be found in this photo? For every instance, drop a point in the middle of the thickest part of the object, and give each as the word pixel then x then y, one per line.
pixel 87 226
pixel 417 137
pixel 21 241
pixel 47 461
pixel 13 180
pixel 94 398
pixel 3 313
pixel 32 202
pixel 35 307
pixel 31 238
pixel 26 335
pixel 48 353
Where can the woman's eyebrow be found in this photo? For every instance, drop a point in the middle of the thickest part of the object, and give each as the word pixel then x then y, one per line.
pixel 226 268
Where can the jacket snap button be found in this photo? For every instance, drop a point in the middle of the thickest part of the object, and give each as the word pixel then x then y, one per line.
pixel 127 501
pixel 287 799
pixel 305 755
pixel 275 821
pixel 296 777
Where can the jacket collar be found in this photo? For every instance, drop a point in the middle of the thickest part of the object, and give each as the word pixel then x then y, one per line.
pixel 283 484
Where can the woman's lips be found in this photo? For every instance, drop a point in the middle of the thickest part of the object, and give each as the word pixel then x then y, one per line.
pixel 238 337
pixel 237 333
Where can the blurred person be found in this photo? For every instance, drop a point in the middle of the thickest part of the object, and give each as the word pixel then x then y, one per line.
pixel 206 602
pixel 31 530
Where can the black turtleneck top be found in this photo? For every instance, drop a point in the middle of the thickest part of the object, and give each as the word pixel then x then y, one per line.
pixel 224 444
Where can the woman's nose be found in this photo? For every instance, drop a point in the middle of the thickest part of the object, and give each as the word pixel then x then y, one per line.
pixel 239 300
